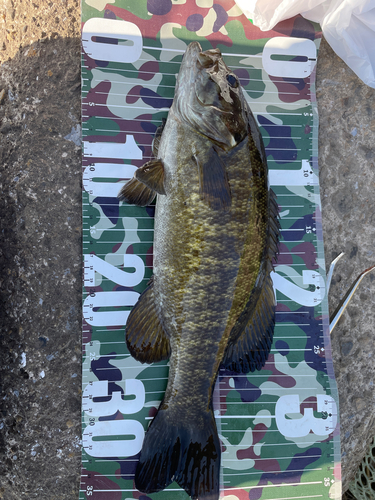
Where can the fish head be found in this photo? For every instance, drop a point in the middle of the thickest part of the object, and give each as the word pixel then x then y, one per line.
pixel 209 97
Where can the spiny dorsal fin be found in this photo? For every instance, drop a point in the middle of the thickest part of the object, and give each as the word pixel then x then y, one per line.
pixel 251 337
pixel 152 175
pixel 214 185
pixel 145 337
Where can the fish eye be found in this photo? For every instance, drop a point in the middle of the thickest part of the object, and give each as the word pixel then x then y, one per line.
pixel 232 80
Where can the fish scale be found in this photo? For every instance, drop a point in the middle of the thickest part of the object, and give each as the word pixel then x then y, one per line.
pixel 215 225
pixel 263 457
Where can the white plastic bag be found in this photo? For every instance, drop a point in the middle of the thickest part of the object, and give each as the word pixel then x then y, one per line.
pixel 347 25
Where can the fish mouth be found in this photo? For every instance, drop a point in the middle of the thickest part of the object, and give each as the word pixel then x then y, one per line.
pixel 191 54
pixel 205 99
pixel 195 54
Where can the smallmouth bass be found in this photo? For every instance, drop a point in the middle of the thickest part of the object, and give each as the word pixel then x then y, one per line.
pixel 210 302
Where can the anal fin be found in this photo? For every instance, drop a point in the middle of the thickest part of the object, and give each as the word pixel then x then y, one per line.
pixel 251 338
pixel 145 337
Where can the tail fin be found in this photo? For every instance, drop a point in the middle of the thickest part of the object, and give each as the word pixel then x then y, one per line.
pixel 189 455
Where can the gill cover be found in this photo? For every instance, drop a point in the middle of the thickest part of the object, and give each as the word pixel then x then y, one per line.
pixel 209 98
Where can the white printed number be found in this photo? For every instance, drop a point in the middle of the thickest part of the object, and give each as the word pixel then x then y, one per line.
pixel 292 424
pixel 127 434
pixel 289 57
pixel 127 438
pixel 127 35
pixel 111 299
pixel 99 389
pixel 112 438
pixel 297 293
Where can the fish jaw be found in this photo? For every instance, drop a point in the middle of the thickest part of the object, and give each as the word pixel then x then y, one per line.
pixel 209 97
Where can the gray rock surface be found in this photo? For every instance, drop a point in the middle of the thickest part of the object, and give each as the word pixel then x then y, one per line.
pixel 40 273
pixel 347 181
pixel 40 248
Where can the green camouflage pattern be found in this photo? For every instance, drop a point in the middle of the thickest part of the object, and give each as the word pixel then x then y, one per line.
pixel 279 427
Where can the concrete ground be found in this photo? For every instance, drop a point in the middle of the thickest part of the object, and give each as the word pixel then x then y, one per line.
pixel 40 248
pixel 347 181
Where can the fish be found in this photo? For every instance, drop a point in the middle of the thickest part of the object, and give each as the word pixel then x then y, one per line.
pixel 210 303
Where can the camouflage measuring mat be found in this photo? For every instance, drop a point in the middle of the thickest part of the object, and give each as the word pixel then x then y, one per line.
pixel 279 427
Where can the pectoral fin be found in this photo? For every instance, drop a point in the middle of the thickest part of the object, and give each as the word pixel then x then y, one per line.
pixel 147 181
pixel 136 193
pixel 145 337
pixel 214 185
pixel 251 337
pixel 152 175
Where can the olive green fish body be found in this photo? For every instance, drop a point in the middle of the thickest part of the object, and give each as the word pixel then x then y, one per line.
pixel 210 303
pixel 206 261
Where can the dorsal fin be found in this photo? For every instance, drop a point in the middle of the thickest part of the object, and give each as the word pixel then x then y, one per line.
pixel 251 337
pixel 249 344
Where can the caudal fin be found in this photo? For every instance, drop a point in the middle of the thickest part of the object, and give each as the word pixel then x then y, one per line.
pixel 188 454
